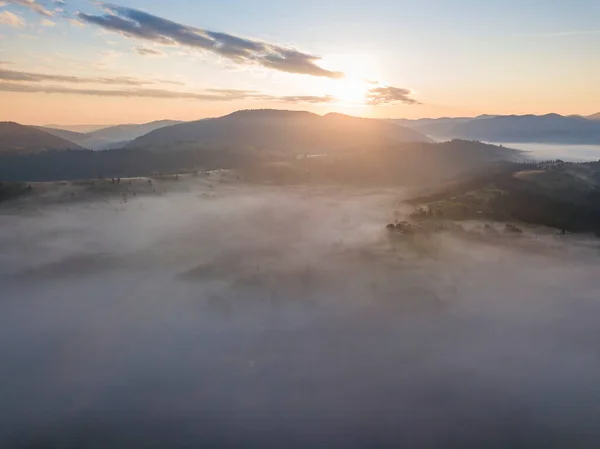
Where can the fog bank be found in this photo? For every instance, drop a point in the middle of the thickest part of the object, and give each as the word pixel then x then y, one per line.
pixel 263 317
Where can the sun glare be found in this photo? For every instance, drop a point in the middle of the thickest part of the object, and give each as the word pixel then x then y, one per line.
pixel 350 91
pixel 358 68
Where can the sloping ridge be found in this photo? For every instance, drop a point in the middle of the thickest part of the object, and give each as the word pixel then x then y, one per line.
pixel 27 139
pixel 560 195
pixel 83 129
pixel 549 128
pixel 119 133
pixel 281 131
pixel 111 137
pixel 532 128
pixel 71 136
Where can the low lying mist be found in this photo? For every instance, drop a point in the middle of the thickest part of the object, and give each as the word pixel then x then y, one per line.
pixel 288 317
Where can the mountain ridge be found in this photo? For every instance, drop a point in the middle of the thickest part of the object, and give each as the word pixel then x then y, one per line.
pixel 280 130
pixel 547 128
pixel 15 137
pixel 110 137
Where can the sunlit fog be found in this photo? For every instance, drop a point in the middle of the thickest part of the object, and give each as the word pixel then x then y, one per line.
pixel 234 316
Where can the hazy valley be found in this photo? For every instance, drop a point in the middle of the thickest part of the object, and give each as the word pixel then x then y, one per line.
pixel 256 313
pixel 303 225
pixel 327 299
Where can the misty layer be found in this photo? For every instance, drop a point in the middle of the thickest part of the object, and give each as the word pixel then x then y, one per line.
pixel 259 317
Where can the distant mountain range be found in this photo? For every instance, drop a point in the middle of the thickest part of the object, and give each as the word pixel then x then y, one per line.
pixel 277 130
pixel 273 130
pixel 550 128
pixel 26 139
pixel 108 138
pixel 304 132
pixel 83 129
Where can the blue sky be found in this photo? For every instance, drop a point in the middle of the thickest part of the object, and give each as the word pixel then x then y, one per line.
pixel 79 62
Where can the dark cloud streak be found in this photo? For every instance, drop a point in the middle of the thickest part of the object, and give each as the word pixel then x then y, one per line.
pixel 313 99
pixel 138 24
pixel 14 75
pixel 389 95
pixel 145 51
pixel 136 92
pixel 206 95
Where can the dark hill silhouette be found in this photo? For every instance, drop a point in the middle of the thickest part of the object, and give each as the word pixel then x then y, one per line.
pixel 550 128
pixel 594 116
pixel 27 139
pixel 277 130
pixel 406 163
pixel 562 195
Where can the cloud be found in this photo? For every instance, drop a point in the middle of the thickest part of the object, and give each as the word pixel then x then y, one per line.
pixel 13 79
pixel 209 95
pixel 10 19
pixel 15 75
pixel 75 22
pixel 137 24
pixel 145 51
pixel 389 95
pixel 236 92
pixel 32 5
pixel 206 94
pixel 309 99
pixel 47 23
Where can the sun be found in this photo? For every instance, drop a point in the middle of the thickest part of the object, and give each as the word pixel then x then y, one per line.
pixel 358 68
pixel 350 91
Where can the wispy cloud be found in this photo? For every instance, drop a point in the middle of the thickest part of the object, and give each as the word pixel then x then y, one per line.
pixel 47 23
pixel 205 95
pixel 10 19
pixel 75 22
pixel 14 79
pixel 389 95
pixel 136 92
pixel 138 24
pixel 145 51
pixel 15 75
pixel 308 99
pixel 32 5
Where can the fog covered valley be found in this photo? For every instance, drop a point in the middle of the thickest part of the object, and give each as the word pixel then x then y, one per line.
pixel 218 314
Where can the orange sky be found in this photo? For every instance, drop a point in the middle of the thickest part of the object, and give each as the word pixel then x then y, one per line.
pixel 444 61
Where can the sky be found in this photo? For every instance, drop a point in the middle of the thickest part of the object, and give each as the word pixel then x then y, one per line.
pixel 80 62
